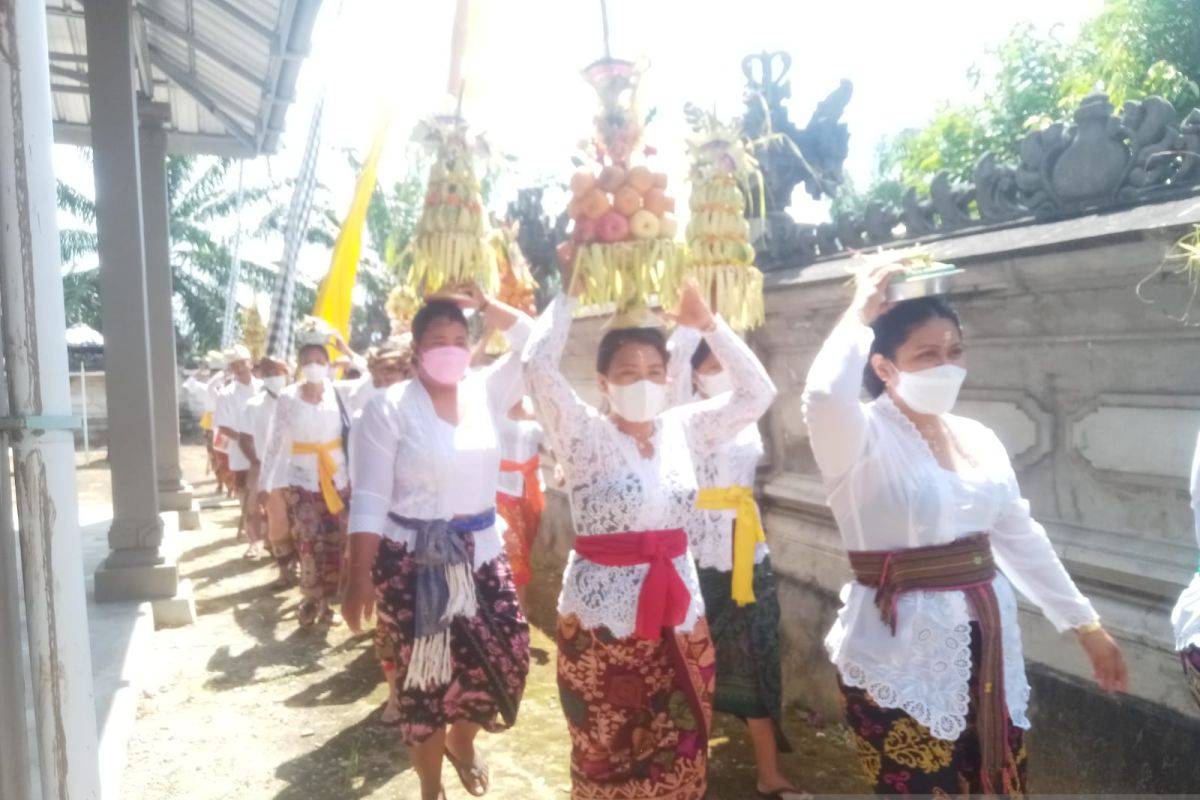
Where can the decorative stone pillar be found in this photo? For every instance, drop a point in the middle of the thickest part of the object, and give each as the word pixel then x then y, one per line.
pixel 173 493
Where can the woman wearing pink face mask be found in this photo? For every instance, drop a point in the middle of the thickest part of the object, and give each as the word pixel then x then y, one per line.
pixel 927 643
pixel 424 547
pixel 635 664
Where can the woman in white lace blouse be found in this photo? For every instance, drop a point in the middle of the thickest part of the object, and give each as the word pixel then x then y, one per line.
pixel 631 632
pixel 927 643
pixel 728 542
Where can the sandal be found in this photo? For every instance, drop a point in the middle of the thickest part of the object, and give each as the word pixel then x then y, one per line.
pixel 786 793
pixel 475 777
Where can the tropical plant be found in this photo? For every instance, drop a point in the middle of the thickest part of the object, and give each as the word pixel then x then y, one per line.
pixel 201 203
pixel 1132 48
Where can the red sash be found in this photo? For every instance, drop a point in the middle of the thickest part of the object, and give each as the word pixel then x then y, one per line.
pixel 664 599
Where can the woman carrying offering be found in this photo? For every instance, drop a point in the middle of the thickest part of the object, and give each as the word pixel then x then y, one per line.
pixel 520 498
pixel 635 663
pixel 306 457
pixel 727 540
pixel 424 545
pixel 927 643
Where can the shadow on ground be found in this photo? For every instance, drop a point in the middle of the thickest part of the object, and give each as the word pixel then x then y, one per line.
pixel 354 763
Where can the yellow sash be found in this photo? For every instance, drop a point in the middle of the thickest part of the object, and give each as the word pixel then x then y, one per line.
pixel 206 421
pixel 326 468
pixel 747 533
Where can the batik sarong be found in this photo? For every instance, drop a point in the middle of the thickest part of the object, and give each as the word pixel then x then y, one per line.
pixel 320 537
pixel 489 651
pixel 631 707
pixel 901 756
pixel 746 640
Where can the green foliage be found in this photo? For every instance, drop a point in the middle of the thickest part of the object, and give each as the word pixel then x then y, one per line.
pixel 1132 48
pixel 201 199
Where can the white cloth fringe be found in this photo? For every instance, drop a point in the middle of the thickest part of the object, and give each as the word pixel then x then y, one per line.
pixel 431 665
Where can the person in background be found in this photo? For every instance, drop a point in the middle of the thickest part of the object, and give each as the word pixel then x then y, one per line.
pixel 212 391
pixel 727 540
pixel 305 458
pixel 927 643
pixel 520 495
pixel 230 403
pixel 425 548
pixel 387 363
pixel 1185 618
pixel 252 438
pixel 635 661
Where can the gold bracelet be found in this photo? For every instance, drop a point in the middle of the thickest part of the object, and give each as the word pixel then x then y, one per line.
pixel 1089 627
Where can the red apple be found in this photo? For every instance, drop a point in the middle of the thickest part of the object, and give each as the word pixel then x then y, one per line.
pixel 612 227
pixel 585 230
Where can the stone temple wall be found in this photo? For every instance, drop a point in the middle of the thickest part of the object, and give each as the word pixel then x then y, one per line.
pixel 1097 397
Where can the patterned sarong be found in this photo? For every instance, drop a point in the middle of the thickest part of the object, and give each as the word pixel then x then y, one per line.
pixel 746 640
pixel 634 733
pixel 489 651
pixel 320 537
pixel 901 756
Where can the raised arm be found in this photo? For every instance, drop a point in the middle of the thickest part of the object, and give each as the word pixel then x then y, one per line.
pixel 832 405
pixel 560 410
pixel 504 374
pixel 682 345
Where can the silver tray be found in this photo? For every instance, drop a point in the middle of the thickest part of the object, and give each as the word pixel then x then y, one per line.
pixel 909 289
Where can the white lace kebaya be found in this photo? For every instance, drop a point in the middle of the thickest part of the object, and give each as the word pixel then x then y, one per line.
pixel 1185 618
pixel 733 463
pixel 295 420
pixel 407 460
pixel 613 489
pixel 888 492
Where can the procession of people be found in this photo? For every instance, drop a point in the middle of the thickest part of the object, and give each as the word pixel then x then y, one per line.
pixel 410 498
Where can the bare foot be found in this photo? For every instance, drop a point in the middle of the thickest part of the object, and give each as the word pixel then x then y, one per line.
pixel 391 711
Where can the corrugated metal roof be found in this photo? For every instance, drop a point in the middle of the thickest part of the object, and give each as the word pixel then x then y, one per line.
pixel 226 68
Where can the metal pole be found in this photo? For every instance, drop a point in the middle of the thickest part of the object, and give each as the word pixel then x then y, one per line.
pixel 39 394
pixel 83 412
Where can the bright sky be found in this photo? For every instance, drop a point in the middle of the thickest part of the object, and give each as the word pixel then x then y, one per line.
pixel 524 87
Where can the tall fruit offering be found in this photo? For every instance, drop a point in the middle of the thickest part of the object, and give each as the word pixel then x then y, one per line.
pixel 623 235
pixel 719 254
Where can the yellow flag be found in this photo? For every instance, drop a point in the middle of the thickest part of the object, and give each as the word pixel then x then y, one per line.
pixel 334 295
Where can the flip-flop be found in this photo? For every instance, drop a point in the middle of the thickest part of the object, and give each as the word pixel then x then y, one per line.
pixel 475 779
pixel 787 793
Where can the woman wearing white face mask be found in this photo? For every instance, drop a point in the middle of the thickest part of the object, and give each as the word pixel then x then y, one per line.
pixel 306 458
pixel 424 544
pixel 631 631
pixel 927 643
pixel 727 540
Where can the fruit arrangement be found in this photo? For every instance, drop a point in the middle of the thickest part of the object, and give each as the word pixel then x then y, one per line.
pixel 450 245
pixel 719 254
pixel 622 239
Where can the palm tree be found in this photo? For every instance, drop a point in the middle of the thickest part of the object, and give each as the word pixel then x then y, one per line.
pixel 200 201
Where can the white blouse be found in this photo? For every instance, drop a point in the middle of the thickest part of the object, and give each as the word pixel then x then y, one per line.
pixel 230 404
pixel 1185 618
pixel 295 420
pixel 888 492
pixel 256 419
pixel 613 489
pixel 733 463
pixel 520 440
pixel 409 461
pixel 357 393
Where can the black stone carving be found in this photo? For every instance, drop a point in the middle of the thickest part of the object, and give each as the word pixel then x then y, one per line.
pixel 1101 161
pixel 538 237
pixel 788 155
